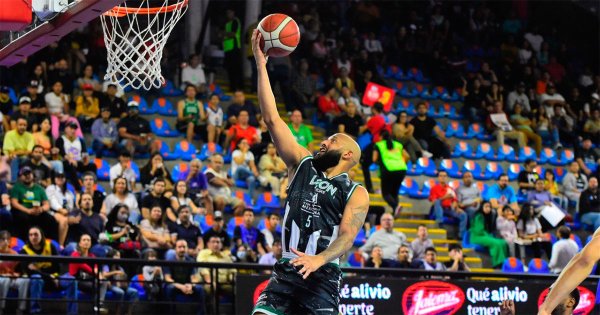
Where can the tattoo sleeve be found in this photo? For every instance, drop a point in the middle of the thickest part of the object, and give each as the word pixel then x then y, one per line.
pixel 350 227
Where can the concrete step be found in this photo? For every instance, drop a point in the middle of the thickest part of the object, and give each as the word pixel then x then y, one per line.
pixel 436 241
pixel 414 223
pixel 438 234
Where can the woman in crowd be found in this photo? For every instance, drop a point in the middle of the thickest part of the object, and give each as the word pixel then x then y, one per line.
pixel 507 228
pixel 118 283
pixel 243 166
pixel 121 195
pixel 481 233
pixel 120 234
pixel 42 138
pixel 58 109
pixel 388 153
pixel 551 186
pixel 155 168
pixel 539 197
pixel 154 232
pixel 86 275
pixel 530 234
pixel 180 198
pixel 403 132
pixel 62 201
pixel 545 128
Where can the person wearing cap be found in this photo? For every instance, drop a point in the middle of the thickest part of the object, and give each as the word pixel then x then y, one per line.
pixel 30 207
pixel 74 153
pixel 87 107
pixel 17 145
pixel 134 131
pixel 104 131
pixel 39 165
pixel 24 112
pixel 217 230
pixel 38 106
pixel 519 95
pixel 113 99
pixel 6 103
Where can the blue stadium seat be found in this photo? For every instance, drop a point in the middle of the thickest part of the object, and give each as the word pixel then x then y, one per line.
pixel 504 153
pixel 161 128
pixel 185 150
pixel 102 169
pixel 428 95
pixel 164 107
pixel 12 94
pixel 209 149
pixel 538 265
pixel 136 170
pixel 483 187
pixel 426 166
pixel 559 174
pixel 473 131
pixel 232 223
pixel 577 240
pixel 592 166
pixel 364 140
pixel 540 171
pixel 267 202
pixel 546 155
pixel 169 89
pixel 513 171
pixel 165 151
pixel 420 193
pixel 16 244
pixel 466 243
pixel 524 154
pixel 449 111
pixel 454 127
pixel 393 72
pixel 475 169
pixel 137 283
pixel 412 170
pixel 451 167
pixel 588 239
pixel 406 106
pixel 243 196
pixel 512 264
pixel 417 75
pixel 143 105
pixel 178 169
pixel 409 187
pixel 493 170
pixel 484 150
pixel 463 149
pixel 566 157
pixel 408 92
pixel 355 259
pixel 438 91
pixel 360 238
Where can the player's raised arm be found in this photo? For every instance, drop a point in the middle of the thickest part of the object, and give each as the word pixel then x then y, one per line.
pixel 287 147
pixel 574 273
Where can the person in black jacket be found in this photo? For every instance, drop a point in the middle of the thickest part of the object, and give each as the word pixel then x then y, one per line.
pixel 589 204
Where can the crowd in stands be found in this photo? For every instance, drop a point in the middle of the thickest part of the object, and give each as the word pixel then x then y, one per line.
pixel 519 83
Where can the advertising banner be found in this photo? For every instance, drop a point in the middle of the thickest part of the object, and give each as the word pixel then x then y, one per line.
pixel 369 296
pixel 379 93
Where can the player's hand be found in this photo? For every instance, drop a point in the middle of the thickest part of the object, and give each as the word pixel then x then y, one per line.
pixel 260 57
pixel 507 307
pixel 309 263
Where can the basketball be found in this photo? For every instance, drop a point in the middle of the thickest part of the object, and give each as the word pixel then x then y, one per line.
pixel 280 35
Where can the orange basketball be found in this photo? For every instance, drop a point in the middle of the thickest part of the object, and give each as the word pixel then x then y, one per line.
pixel 280 35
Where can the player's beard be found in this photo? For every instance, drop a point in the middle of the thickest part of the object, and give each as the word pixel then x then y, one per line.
pixel 325 160
pixel 559 310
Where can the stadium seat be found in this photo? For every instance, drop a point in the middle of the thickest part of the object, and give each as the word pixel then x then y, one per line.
pixel 450 96
pixel 165 151
pixel 428 95
pixel 232 223
pixel 449 111
pixel 454 184
pixel 484 150
pixel 243 196
pixel 137 283
pixel 16 244
pixel 524 154
pixel 409 186
pixel 169 89
pixel 427 185
pixel 209 149
pixel 512 264
pixel 472 133
pixel 161 128
pixel 143 105
pixel 559 174
pixel 588 239
pixel 364 140
pixel 475 169
pixel 462 148
pixel 406 106
pixel 12 94
pixel 393 72
pixel 426 166
pixel 566 157
pixel 102 169
pixel 178 169
pixel 483 187
pixel 360 238
pixel 417 193
pixel 185 150
pixel 136 170
pixel 164 107
pixel 205 222
pixel 546 155
pixel 267 202
pixel 438 91
pixel 417 75
pixel 419 89
pixel 592 166
pixel 466 243
pixel 264 223
pixel 483 135
pixel 355 259
pixel 451 167
pixel 504 153
pixel 400 88
pixel 408 92
pixel 538 265
pixel 454 127
pixel 412 170
pixel 513 171
pixel 577 240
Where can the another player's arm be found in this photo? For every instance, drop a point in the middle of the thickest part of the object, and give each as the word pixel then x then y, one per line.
pixel 578 269
pixel 287 147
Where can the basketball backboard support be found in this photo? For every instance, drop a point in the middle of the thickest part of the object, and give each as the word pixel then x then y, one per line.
pixel 14 46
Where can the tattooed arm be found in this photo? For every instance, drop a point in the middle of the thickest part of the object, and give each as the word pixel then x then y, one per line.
pixel 352 221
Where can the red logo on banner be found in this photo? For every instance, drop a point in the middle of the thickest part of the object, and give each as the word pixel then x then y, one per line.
pixel 432 298
pixel 587 300
pixel 379 93
pixel 258 290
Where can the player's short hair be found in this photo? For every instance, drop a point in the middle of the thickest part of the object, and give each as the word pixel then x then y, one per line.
pixel 564 232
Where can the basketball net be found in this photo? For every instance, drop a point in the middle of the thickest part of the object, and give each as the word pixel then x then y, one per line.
pixel 135 38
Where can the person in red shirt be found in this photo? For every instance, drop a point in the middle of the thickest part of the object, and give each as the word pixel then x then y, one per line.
pixel 328 105
pixel 241 130
pixel 375 125
pixel 85 275
pixel 444 201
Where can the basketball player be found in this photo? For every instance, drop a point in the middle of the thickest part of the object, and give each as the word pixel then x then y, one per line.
pixel 575 272
pixel 323 213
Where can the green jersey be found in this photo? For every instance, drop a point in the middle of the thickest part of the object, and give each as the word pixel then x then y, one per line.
pixel 191 108
pixel 28 197
pixel 303 135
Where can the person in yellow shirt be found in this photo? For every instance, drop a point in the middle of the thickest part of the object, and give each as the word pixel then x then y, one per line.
pixel 87 107
pixel 18 143
pixel 551 186
pixel 214 253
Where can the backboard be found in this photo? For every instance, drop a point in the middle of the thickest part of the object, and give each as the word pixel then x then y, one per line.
pixel 14 46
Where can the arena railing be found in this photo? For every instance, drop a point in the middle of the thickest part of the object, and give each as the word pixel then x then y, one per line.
pixel 347 272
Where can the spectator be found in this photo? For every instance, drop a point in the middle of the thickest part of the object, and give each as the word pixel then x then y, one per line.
pixel 524 125
pixel 444 202
pixel 42 275
pixel 10 277
pixel 587 156
pixel 214 253
pixel 539 197
pixel 86 222
pixel 191 115
pixel 135 135
pixel 75 156
pixel 157 196
pixel 242 130
pixel 528 177
pixel 240 104
pixel 5 216
pixel 121 195
pixel 180 198
pixel 243 167
pixel 495 93
pixel 120 234
pixel 154 169
pixel 507 228
pixel 474 104
pixel 123 169
pixel 38 105
pixel 301 132
pixel 403 258
pixel 42 137
pixel 88 79
pixel 328 106
pixel 425 130
pixel 39 166
pixel 468 195
pixel 187 230
pixel 217 229
pixel 30 206
pixel 563 250
pixel 183 279
pixel 430 261
pixel 344 82
pixel 105 133
pixel 546 128
pixel 565 125
pixel 373 45
pixel 17 145
pixel 503 129
pixel 346 98
pixel 385 238
pixel 153 277
pixel 245 254
pixel 551 186
pixel 270 232
pixel 422 242
pixel 118 107
pixel 274 255
pixel 58 108
pixel 24 112
pixel 214 116
pixel 6 104
pixel 376 260
pixel 501 194
pixel 232 49
pixel 550 99
pixel 518 96
pixel 118 284
pixel 592 125
pixel 574 183
pixel 392 168
pixel 62 203
pixel 247 234
pixel 457 261
pixel 589 204
pixel 481 233
pixel 272 169
pixel 530 233
pixel 403 132
pixel 349 122
pixel 375 125
pixel 197 185
pixel 556 70
pixel 304 88
pixel 85 275
pixel 193 74
pixel 87 107
pixel 219 186
pixel 154 232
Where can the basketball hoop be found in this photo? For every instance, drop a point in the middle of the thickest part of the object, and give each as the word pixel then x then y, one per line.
pixel 135 38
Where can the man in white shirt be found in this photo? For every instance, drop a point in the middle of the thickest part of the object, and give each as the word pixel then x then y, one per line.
pixel 550 98
pixel 518 96
pixel 563 250
pixel 194 74
pixel 386 238
pixel 123 169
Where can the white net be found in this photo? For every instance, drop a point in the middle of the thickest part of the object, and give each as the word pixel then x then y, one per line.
pixel 135 38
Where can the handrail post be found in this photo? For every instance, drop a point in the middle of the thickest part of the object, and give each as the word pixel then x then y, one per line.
pixel 216 297
pixel 96 308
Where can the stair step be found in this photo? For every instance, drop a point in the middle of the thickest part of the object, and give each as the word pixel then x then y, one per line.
pixel 436 241
pixel 438 234
pixel 414 223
